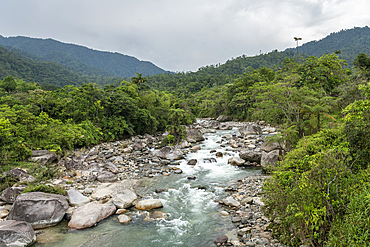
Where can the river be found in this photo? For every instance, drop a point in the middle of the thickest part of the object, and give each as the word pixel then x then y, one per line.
pixel 193 215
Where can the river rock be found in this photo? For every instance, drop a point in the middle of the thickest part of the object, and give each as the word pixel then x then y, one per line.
pixel 269 158
pixel 223 118
pixel 194 135
pixel 268 147
pixel 156 215
pixel 192 162
pixel 249 155
pixel 90 214
pixel 221 240
pixel 10 194
pixel 219 154
pixel 138 145
pixel 123 218
pixel 169 152
pixel 229 201
pixel 124 199
pixel 76 198
pixel 16 233
pixel 236 161
pixel 106 177
pixel 149 204
pixel 224 126
pixel 42 209
pixel 195 148
pixel 249 129
pixel 112 167
pixel 47 157
pixel 20 174
pixel 248 200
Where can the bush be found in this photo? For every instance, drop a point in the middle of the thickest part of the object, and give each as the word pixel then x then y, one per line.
pixel 45 188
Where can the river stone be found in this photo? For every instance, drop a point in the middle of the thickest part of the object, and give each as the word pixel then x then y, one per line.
pixel 10 194
pixel 121 211
pixel 3 213
pixel 224 126
pixel 192 162
pixel 224 213
pixel 169 153
pixel 111 167
pixel 248 200
pixel 268 147
pixel 193 135
pixel 257 200
pixel 16 233
pixel 236 161
pixel 223 118
pixel 123 218
pixel 219 154
pixel 39 209
pixel 221 240
pixel 90 214
pixel 229 201
pixel 249 155
pixel 76 198
pixel 248 129
pixel 149 204
pixel 156 215
pixel 106 177
pixel 269 158
pixel 178 171
pixel 124 199
pixel 138 145
pixel 195 148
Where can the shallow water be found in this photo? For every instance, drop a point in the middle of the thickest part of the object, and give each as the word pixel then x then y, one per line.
pixel 194 218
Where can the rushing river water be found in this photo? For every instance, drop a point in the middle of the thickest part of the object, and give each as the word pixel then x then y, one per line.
pixel 194 218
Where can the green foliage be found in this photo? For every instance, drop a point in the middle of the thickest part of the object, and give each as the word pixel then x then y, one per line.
pixel 45 188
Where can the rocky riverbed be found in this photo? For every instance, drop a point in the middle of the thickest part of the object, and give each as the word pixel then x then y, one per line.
pixel 102 180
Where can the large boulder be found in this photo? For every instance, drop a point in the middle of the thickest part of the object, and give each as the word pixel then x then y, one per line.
pixel 194 135
pixel 249 155
pixel 76 198
pixel 124 199
pixel 16 233
pixel 236 161
pixel 250 129
pixel 169 152
pixel 229 201
pixel 149 204
pixel 39 209
pixel 43 156
pixel 90 214
pixel 270 146
pixel 111 167
pixel 10 194
pixel 269 158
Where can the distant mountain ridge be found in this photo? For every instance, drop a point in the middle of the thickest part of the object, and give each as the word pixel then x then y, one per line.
pixel 80 59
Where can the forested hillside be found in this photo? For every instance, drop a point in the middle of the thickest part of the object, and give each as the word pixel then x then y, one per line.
pixel 349 42
pixel 82 59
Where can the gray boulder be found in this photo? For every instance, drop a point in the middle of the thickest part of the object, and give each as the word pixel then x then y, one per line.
pixel 138 145
pixel 236 161
pixel 90 214
pixel 269 158
pixel 111 167
pixel 10 194
pixel 213 124
pixel 169 152
pixel 124 199
pixel 194 135
pixel 250 129
pixel 268 147
pixel 39 209
pixel 76 198
pixel 251 156
pixel 106 177
pixel 225 126
pixel 16 233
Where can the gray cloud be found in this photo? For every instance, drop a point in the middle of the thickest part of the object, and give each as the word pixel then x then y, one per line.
pixel 181 35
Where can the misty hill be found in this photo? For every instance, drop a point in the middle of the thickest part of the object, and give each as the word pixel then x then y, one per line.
pixel 80 59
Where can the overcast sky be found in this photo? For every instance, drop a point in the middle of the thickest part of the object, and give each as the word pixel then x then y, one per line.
pixel 182 35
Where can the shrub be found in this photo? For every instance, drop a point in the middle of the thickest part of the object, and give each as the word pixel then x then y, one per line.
pixel 45 188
